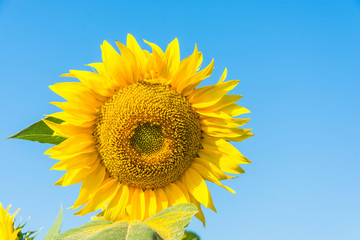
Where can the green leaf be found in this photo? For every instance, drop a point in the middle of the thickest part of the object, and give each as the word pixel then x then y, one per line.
pixel 55 228
pixel 40 132
pixel 190 236
pixel 170 222
pixel 167 224
pixel 86 230
pixel 106 230
pixel 127 231
pixel 142 231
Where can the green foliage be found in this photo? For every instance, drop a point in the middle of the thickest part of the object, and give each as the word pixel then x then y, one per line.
pixel 55 228
pixel 101 229
pixel 30 235
pixel 167 224
pixel 170 222
pixel 27 235
pixel 40 132
pixel 86 230
pixel 190 236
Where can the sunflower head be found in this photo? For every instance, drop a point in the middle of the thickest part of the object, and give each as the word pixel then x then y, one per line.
pixel 7 231
pixel 142 145
pixel 141 136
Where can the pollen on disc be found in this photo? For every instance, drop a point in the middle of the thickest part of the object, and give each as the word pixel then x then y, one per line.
pixel 147 135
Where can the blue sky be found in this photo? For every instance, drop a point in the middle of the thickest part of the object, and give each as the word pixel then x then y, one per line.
pixel 298 65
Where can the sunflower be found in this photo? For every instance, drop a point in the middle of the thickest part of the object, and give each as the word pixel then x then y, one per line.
pixel 141 137
pixel 7 231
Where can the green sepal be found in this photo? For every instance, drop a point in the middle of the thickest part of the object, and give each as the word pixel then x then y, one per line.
pixel 30 235
pixel 40 132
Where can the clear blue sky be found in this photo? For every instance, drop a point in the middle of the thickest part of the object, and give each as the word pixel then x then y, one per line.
pixel 299 66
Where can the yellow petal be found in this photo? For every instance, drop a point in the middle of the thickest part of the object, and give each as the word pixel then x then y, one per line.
pixel 77 108
pixel 142 205
pixel 234 110
pixel 216 114
pixel 94 82
pixel 103 195
pixel 74 144
pixel 117 204
pixel 213 168
pixel 199 215
pixel 67 130
pixel 77 161
pixel 220 122
pixel 225 147
pixel 186 88
pixel 155 48
pixel 139 53
pixel 224 132
pixel 171 59
pixel 153 68
pixel 223 102
pixel 209 176
pixel 240 137
pixel 76 175
pixel 90 185
pixel 198 189
pixel 209 95
pixel 76 92
pixel 150 198
pixel 174 194
pixel 187 68
pixel 74 120
pixel 223 161
pixel 223 76
pixel 131 72
pixel 129 204
pixel 109 81
pixel 182 186
pixel 61 156
pixel 138 207
pixel 161 199
pixel 117 67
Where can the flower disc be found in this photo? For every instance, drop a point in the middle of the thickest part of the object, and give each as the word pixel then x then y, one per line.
pixel 147 135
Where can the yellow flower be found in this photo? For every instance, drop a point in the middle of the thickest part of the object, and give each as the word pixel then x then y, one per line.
pixel 141 137
pixel 7 231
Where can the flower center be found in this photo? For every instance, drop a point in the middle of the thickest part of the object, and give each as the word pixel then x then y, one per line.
pixel 147 139
pixel 147 135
